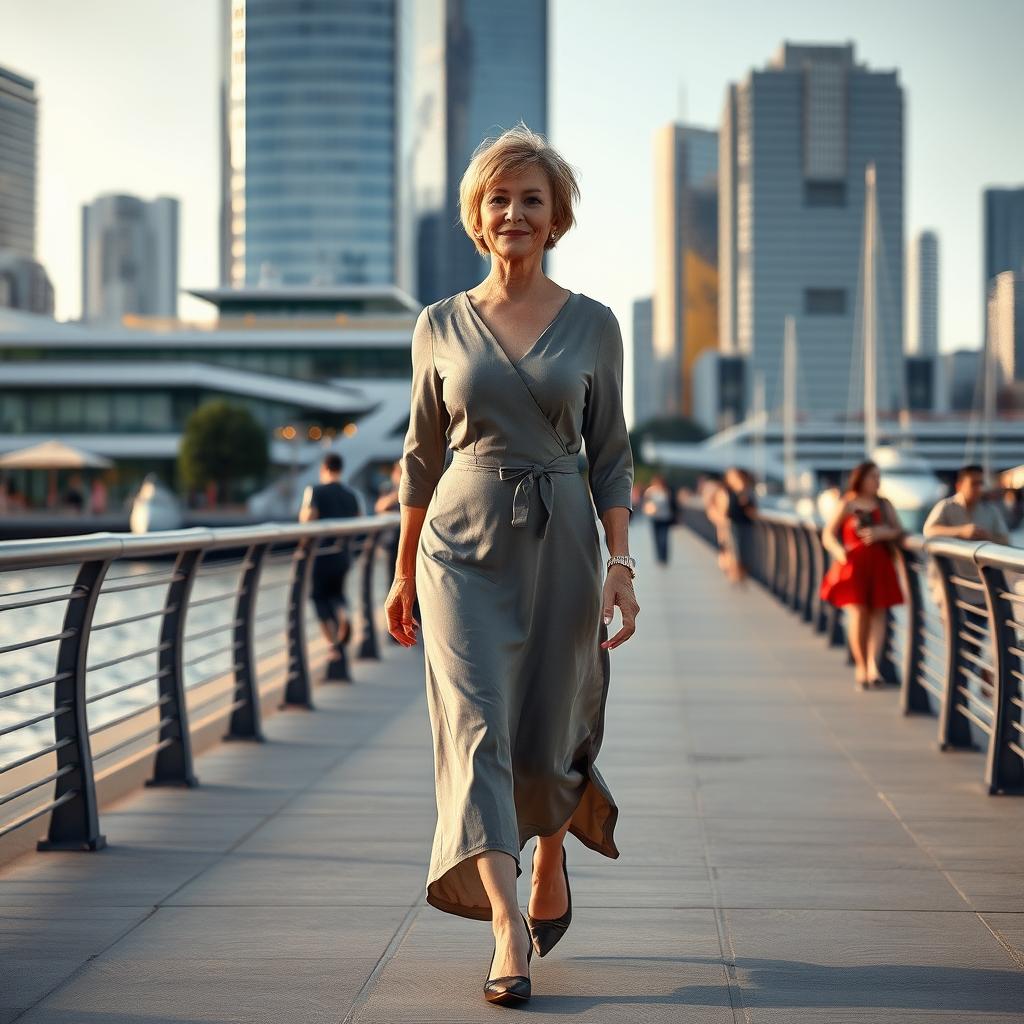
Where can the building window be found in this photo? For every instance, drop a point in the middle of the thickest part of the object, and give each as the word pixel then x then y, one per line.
pixel 824 193
pixel 825 301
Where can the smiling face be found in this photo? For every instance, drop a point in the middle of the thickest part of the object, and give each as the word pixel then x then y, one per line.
pixel 516 214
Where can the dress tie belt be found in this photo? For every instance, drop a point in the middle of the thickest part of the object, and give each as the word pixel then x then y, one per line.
pixel 524 473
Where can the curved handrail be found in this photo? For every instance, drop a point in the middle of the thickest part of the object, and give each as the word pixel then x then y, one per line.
pixel 266 559
pixel 955 649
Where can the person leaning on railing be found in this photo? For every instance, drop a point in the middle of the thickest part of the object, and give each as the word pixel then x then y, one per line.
pixel 965 514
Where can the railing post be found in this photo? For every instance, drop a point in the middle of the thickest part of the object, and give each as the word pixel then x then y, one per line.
pixel 298 691
pixel 819 608
pixel 913 696
pixel 771 557
pixel 1004 763
pixel 803 587
pixel 74 825
pixel 173 763
pixel 793 561
pixel 245 723
pixel 368 646
pixel 953 726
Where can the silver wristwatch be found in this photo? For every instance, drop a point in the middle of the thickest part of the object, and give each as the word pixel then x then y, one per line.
pixel 626 560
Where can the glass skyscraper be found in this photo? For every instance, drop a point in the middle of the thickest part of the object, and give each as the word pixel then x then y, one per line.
pixel 686 259
pixel 311 95
pixel 1004 234
pixel 480 67
pixel 18 129
pixel 795 143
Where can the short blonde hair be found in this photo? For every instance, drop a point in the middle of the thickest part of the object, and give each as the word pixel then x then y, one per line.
pixel 514 151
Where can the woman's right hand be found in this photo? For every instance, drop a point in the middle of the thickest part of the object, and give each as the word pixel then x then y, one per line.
pixel 398 608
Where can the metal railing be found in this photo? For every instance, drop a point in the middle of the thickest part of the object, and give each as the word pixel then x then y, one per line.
pixel 113 647
pixel 955 648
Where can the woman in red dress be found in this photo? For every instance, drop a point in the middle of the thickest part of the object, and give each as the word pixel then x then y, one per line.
pixel 863 578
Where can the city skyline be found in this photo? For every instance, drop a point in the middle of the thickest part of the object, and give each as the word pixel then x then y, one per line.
pixel 162 135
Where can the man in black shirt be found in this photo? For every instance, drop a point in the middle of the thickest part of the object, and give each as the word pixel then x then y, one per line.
pixel 331 499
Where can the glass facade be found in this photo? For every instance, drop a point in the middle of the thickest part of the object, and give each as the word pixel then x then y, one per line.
pixel 311 142
pixel 294 363
pixel 801 133
pixel 18 131
pixel 480 67
pixel 135 410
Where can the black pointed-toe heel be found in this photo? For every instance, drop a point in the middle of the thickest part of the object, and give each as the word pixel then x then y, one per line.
pixel 546 932
pixel 509 989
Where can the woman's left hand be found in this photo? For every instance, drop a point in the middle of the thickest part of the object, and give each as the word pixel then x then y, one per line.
pixel 618 590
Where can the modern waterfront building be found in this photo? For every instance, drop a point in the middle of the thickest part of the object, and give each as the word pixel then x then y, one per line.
pixel 644 375
pixel 129 258
pixel 311 179
pixel 1006 325
pixel 831 449
pixel 686 259
pixel 1003 214
pixel 24 283
pixel 923 296
pixel 479 67
pixel 332 363
pixel 796 139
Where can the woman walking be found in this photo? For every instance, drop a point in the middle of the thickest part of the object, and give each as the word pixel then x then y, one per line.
pixel 862 577
pixel 502 550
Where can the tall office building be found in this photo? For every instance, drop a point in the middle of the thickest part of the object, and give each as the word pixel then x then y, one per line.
pixel 1004 236
pixel 311 191
pixel 923 298
pixel 645 378
pixel 795 142
pixel 1006 325
pixel 479 67
pixel 24 283
pixel 129 258
pixel 686 259
pixel 18 142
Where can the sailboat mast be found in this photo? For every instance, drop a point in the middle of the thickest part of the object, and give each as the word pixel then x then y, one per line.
pixel 789 405
pixel 870 323
pixel 989 404
pixel 759 419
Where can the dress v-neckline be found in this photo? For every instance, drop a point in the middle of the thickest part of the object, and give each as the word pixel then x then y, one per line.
pixel 515 362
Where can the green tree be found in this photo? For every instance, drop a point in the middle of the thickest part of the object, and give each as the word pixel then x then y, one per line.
pixel 223 446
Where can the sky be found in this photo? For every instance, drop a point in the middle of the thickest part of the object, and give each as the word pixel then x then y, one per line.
pixel 128 103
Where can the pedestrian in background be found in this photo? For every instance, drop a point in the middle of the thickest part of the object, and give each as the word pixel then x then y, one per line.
pixel 659 505
pixel 862 578
pixel 737 509
pixel 331 499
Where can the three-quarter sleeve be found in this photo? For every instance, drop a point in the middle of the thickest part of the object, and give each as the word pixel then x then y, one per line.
pixel 426 440
pixel 609 456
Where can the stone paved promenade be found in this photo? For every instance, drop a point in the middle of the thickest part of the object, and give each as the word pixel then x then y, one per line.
pixel 792 851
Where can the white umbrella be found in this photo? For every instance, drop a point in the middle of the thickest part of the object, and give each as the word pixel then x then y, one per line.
pixel 53 455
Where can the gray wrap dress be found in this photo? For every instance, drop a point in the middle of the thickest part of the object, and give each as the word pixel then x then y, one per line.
pixel 509 575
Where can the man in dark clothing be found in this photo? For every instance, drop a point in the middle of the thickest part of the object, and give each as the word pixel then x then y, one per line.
pixel 331 499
